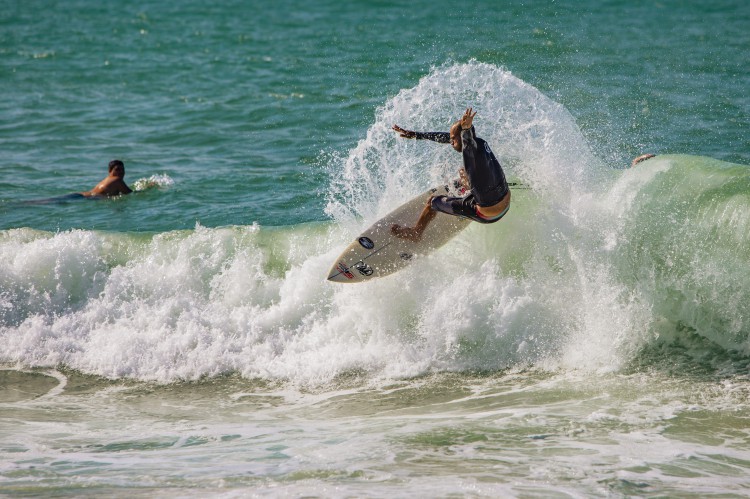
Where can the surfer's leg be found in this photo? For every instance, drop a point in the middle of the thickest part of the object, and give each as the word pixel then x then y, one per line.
pixel 415 233
pixel 464 179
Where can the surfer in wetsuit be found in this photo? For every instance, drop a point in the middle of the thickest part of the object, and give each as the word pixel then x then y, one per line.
pixel 489 197
pixel 113 184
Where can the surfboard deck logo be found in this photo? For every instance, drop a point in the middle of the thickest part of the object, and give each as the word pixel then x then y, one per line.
pixel 363 268
pixel 366 242
pixel 344 270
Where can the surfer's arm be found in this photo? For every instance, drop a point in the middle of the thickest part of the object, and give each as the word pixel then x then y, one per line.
pixel 467 139
pixel 469 148
pixel 442 137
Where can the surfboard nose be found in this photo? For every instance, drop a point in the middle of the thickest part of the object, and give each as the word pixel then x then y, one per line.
pixel 340 272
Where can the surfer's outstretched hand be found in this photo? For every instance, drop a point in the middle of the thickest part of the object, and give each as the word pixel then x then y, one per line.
pixel 407 134
pixel 468 118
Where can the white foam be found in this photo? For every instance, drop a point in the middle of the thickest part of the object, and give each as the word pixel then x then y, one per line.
pixel 156 181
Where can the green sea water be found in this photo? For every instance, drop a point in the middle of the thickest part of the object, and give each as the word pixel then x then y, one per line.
pixel 182 341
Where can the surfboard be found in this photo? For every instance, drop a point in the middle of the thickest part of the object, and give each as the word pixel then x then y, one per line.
pixel 377 252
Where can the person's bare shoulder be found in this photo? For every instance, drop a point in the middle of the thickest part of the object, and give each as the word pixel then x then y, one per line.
pixel 110 186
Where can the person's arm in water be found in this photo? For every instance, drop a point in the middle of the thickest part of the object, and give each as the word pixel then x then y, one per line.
pixel 441 137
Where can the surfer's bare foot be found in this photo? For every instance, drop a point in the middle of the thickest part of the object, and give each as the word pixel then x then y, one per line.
pixel 409 233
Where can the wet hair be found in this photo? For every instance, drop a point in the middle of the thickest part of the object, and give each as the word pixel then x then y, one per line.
pixel 115 163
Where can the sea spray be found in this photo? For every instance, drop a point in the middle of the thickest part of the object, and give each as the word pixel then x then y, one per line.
pixel 156 181
pixel 534 137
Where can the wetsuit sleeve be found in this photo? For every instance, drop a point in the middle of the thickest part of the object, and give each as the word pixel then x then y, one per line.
pixel 469 149
pixel 442 137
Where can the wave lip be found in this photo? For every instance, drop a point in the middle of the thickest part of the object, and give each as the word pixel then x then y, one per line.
pixel 685 243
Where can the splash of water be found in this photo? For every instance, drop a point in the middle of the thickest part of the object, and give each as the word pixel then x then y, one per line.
pixel 535 138
pixel 156 181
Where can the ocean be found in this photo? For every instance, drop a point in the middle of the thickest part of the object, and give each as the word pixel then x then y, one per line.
pixel 183 341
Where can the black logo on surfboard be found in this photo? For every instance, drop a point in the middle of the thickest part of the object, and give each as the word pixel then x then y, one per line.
pixel 366 242
pixel 363 268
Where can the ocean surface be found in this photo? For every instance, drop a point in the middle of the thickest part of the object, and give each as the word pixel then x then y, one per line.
pixel 183 341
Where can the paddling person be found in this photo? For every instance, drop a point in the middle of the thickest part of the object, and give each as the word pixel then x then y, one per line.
pixel 113 184
pixel 489 197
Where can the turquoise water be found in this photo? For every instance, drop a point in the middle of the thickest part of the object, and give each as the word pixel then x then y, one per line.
pixel 183 341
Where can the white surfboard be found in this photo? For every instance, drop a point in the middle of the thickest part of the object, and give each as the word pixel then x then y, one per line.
pixel 377 252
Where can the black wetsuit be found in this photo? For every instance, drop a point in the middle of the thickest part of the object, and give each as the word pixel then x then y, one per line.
pixel 488 184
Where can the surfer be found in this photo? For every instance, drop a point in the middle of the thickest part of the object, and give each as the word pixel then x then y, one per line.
pixel 113 184
pixel 489 197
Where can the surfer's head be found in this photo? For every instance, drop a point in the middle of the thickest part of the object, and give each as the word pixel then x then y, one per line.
pixel 117 168
pixel 456 136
